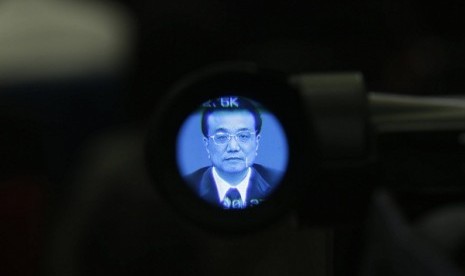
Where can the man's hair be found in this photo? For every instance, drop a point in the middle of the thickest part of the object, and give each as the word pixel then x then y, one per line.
pixel 231 104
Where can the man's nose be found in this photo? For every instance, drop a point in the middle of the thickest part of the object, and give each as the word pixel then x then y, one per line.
pixel 233 145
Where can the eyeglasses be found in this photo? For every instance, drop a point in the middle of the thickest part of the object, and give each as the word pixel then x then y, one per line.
pixel 222 138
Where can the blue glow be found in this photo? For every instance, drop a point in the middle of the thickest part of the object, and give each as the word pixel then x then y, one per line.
pixel 196 157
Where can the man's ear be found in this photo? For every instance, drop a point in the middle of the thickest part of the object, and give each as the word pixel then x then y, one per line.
pixel 205 141
pixel 257 139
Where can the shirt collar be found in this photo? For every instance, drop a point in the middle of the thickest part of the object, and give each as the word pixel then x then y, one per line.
pixel 223 186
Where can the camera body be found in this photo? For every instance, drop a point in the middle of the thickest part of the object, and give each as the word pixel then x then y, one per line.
pixel 341 143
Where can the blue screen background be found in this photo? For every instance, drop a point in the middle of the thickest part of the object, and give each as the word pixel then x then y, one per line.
pixel 191 153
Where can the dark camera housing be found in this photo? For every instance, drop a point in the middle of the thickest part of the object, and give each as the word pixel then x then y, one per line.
pixel 343 143
pixel 272 90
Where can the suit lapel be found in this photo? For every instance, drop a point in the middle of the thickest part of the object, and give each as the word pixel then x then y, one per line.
pixel 258 188
pixel 208 190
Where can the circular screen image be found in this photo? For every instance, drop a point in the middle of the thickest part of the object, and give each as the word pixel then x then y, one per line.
pixel 232 152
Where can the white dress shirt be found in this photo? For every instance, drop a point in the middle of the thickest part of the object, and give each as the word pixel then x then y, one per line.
pixel 222 186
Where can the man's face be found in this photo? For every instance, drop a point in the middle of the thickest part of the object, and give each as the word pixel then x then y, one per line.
pixel 237 154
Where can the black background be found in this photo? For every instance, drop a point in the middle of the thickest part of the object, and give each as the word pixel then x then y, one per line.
pixel 407 47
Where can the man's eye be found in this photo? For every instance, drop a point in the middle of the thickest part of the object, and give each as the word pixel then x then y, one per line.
pixel 221 137
pixel 243 136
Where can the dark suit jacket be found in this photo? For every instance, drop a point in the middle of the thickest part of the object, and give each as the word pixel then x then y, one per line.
pixel 262 181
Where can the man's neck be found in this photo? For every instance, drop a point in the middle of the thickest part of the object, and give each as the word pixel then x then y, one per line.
pixel 233 178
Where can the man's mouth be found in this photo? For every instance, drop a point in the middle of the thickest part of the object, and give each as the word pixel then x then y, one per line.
pixel 233 159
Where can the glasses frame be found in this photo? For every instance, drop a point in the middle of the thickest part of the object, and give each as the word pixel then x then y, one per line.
pixel 230 137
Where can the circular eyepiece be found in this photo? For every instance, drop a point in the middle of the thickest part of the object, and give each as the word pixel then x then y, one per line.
pixel 225 147
pixel 232 152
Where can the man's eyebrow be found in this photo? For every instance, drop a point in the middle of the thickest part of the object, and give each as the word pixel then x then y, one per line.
pixel 221 130
pixel 226 131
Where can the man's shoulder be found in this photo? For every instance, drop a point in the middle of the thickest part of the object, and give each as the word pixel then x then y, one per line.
pixel 263 182
pixel 270 175
pixel 201 182
pixel 196 175
pixel 199 171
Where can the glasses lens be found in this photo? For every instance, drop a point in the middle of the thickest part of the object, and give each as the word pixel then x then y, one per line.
pixel 244 136
pixel 221 138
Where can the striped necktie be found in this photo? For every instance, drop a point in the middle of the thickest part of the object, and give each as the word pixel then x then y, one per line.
pixel 233 200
